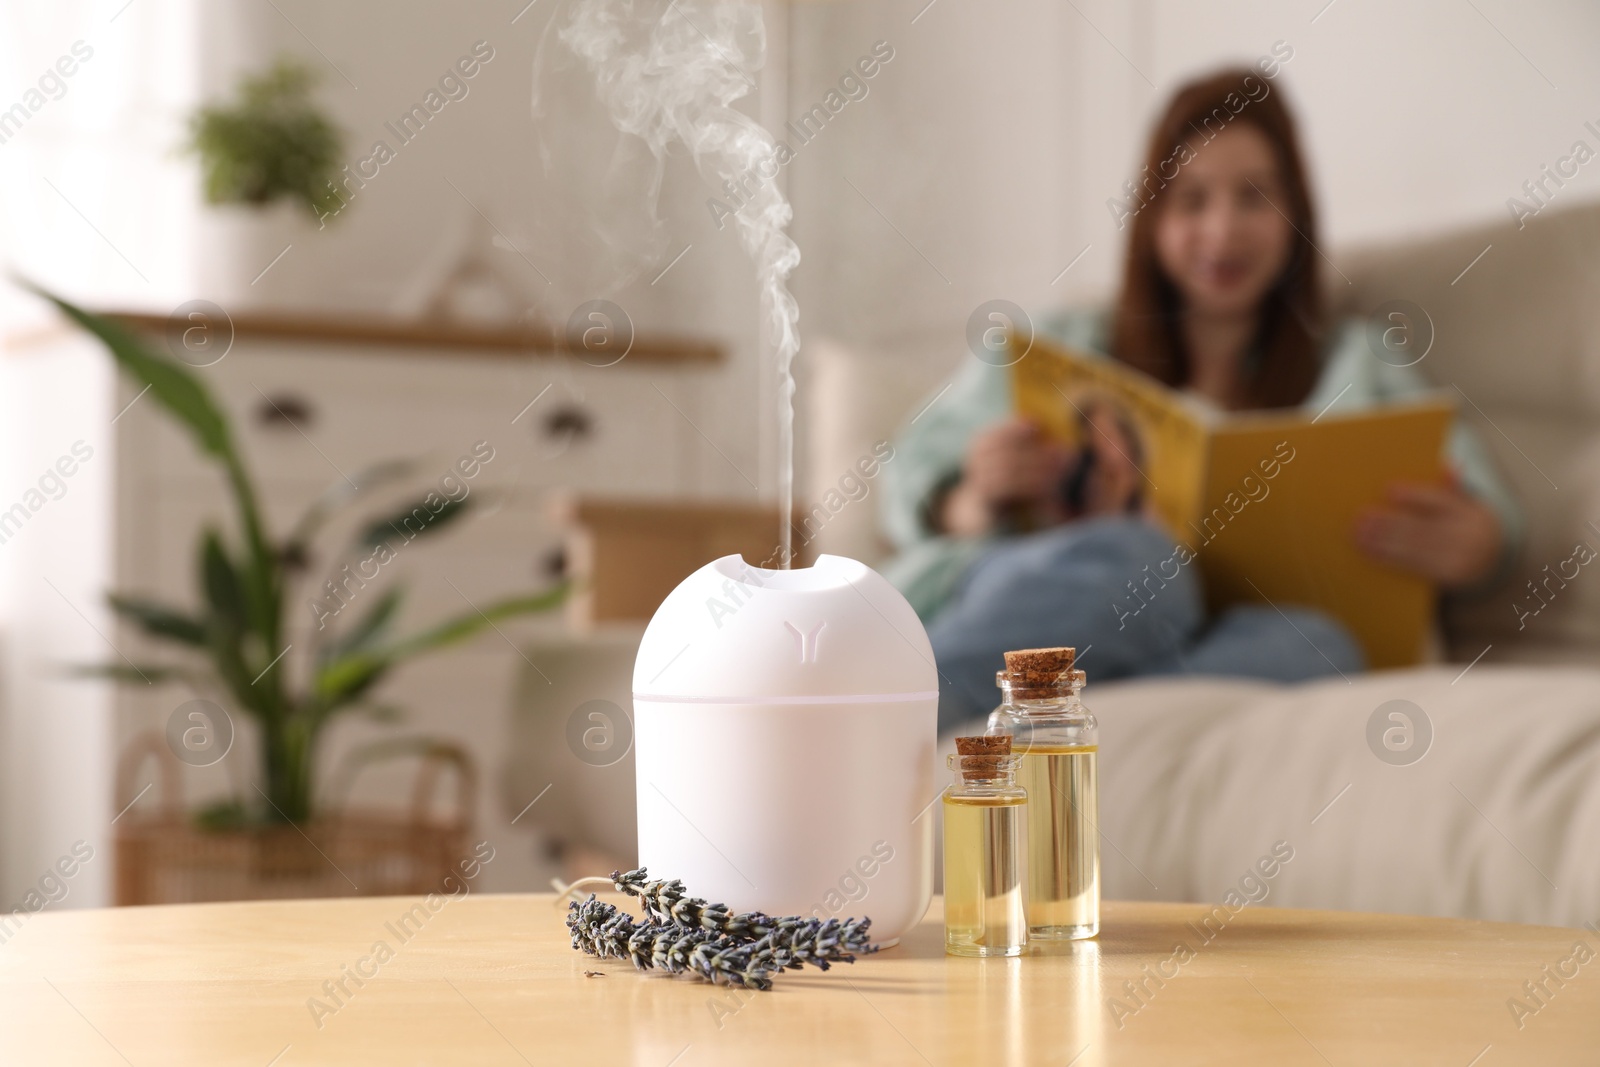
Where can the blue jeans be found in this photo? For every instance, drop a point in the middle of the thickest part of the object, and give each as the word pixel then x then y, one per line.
pixel 1107 586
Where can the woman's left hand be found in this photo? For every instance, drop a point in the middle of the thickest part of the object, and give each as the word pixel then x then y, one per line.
pixel 1437 531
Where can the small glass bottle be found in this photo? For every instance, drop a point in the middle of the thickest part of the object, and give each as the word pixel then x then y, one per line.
pixel 985 838
pixel 1058 743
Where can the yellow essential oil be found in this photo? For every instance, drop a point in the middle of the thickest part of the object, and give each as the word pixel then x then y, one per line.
pixel 984 908
pixel 985 857
pixel 1063 840
pixel 1057 741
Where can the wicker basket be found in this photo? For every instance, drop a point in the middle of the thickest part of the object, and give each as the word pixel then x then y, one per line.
pixel 164 858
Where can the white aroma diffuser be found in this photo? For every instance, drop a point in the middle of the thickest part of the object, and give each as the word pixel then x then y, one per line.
pixel 785 725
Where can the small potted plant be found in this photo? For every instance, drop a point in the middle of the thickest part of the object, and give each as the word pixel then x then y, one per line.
pixel 269 163
pixel 235 639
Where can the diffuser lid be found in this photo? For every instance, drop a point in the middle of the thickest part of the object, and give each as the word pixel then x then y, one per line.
pixel 832 632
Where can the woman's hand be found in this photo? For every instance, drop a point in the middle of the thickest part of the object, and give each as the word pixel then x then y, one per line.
pixel 1437 531
pixel 1011 464
pixel 1114 483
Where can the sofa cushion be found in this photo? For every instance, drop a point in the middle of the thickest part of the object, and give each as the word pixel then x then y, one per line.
pixel 1518 334
pixel 1519 330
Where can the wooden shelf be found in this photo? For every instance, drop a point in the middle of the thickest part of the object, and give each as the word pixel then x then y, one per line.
pixel 432 335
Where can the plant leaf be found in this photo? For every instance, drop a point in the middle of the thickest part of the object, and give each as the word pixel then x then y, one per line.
pixel 341 493
pixel 228 623
pixel 158 620
pixel 171 383
pixel 144 674
pixel 224 591
pixel 223 815
pixel 372 626
pixel 381 530
pixel 468 624
pixel 345 678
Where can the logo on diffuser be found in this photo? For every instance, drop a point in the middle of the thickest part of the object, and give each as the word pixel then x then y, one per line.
pixel 808 641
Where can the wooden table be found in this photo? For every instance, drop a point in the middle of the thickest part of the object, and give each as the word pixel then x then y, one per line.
pixel 491 980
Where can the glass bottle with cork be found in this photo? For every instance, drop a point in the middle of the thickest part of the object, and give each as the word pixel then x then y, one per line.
pixel 1057 741
pixel 985 843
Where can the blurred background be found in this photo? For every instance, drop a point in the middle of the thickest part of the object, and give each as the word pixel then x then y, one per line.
pixel 437 309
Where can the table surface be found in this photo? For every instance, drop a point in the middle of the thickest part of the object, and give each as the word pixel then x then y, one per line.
pixel 489 980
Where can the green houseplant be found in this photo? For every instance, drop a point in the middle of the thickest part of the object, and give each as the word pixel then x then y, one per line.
pixel 237 634
pixel 270 143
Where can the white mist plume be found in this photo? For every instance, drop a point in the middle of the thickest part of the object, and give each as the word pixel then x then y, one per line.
pixel 671 72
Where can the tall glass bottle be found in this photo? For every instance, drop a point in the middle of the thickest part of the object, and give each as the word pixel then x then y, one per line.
pixel 985 841
pixel 1058 742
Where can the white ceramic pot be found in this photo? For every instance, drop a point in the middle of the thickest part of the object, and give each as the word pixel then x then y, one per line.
pixel 785 725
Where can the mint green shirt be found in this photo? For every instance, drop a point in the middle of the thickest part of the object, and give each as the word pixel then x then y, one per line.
pixel 930 450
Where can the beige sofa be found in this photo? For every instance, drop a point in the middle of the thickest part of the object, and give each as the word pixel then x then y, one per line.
pixel 1200 777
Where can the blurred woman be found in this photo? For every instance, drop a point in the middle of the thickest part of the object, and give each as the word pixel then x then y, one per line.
pixel 1010 540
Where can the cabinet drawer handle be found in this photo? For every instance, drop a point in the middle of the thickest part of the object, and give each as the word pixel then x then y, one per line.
pixel 284 411
pixel 569 422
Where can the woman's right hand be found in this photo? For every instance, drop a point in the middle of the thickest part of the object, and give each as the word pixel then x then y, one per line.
pixel 1009 465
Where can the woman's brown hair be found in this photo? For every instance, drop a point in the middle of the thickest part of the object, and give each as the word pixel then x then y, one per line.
pixel 1146 330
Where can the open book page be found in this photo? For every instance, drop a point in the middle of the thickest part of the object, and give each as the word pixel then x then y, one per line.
pixel 1264 502
pixel 1055 386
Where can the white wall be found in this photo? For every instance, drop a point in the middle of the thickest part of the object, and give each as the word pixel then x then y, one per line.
pixel 997 134
pixel 948 184
pixel 91 204
pixel 94 197
pixel 540 180
pixel 55 731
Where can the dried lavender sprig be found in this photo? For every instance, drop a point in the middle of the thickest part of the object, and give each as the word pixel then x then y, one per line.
pixel 716 958
pixel 792 939
pixel 602 930
pixel 666 901
pixel 789 943
pixel 796 942
pixel 598 928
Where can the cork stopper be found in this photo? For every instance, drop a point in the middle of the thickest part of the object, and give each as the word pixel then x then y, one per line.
pixel 982 757
pixel 1039 670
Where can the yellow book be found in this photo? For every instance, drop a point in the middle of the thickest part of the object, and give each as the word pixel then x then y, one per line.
pixel 1265 503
